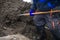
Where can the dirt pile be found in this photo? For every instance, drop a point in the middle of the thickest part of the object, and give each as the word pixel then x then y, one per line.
pixel 9 21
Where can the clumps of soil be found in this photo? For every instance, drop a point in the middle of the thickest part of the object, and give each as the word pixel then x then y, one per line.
pixel 11 23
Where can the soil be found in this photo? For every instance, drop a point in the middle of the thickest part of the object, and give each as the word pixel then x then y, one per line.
pixel 11 23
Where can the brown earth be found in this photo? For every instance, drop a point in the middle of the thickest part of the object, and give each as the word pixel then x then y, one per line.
pixel 11 23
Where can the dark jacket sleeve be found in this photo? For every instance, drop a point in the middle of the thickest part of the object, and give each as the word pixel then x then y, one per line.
pixel 55 2
pixel 33 6
pixel 58 3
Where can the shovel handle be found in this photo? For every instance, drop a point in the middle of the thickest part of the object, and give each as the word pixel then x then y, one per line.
pixel 47 12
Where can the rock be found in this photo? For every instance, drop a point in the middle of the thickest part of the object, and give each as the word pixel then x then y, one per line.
pixel 14 37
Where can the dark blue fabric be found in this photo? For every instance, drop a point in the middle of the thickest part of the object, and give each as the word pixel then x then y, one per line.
pixel 34 5
pixel 56 2
pixel 41 20
pixel 51 5
pixel 44 5
pixel 42 1
pixel 55 35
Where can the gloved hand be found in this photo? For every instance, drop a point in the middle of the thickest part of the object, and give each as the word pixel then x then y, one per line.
pixel 32 11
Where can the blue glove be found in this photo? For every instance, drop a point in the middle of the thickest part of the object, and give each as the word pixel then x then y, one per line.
pixel 32 11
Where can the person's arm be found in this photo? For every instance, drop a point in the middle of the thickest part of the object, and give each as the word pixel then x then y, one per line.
pixel 57 2
pixel 53 3
pixel 33 7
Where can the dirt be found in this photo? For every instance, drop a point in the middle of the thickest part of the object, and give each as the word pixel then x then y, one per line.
pixel 11 23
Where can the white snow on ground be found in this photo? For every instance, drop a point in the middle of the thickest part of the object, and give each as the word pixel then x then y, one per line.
pixel 29 1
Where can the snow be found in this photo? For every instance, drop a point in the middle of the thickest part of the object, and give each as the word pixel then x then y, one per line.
pixel 27 1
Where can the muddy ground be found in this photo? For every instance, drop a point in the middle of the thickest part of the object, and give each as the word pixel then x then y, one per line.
pixel 11 23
